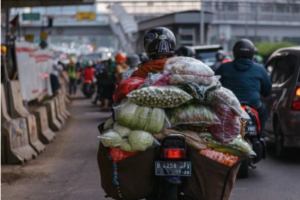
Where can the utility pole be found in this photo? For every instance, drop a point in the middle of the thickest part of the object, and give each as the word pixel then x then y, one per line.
pixel 202 22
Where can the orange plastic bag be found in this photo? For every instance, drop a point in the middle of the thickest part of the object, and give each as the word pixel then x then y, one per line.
pixel 117 154
pixel 225 159
pixel 126 86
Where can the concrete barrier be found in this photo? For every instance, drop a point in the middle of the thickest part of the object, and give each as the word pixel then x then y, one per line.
pixel 46 135
pixel 58 111
pixel 64 87
pixel 15 147
pixel 63 104
pixel 61 107
pixel 19 111
pixel 53 122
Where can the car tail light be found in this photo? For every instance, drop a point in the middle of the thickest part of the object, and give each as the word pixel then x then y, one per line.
pixel 297 94
pixel 296 102
pixel 88 81
pixel 174 153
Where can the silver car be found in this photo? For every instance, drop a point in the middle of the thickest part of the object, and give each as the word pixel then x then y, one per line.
pixel 283 125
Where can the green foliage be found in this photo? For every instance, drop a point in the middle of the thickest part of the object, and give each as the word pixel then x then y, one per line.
pixel 266 49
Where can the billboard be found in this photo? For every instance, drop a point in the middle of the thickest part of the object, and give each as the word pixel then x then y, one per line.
pixel 34 68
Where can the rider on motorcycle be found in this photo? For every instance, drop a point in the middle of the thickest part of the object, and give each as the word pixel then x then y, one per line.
pixel 159 44
pixel 88 72
pixel 221 58
pixel 246 79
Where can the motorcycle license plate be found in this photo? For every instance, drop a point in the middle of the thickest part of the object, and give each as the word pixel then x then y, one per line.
pixel 173 168
pixel 251 130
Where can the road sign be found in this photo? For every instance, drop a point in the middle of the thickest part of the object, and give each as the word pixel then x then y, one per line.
pixel 86 16
pixel 31 16
pixel 29 38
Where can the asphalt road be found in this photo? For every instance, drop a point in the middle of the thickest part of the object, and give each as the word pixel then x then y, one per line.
pixel 68 170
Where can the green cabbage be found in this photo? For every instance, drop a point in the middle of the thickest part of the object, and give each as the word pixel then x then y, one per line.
pixel 122 130
pixel 126 146
pixel 111 139
pixel 141 117
pixel 156 122
pixel 108 123
pixel 126 113
pixel 140 140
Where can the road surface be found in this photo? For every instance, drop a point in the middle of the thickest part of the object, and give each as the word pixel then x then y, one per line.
pixel 68 170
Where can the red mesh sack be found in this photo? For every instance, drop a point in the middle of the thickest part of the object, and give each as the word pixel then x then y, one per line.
pixel 230 125
pixel 126 86
pixel 117 154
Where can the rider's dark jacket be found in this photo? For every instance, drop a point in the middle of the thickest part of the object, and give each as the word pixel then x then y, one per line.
pixel 246 80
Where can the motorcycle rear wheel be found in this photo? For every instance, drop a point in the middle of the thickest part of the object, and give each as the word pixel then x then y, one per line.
pixel 171 192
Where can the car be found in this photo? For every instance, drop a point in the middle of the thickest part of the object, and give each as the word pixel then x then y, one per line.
pixel 283 124
pixel 207 53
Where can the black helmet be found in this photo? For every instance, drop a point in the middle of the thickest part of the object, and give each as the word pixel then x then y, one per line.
pixel 186 51
pixel 220 55
pixel 159 41
pixel 243 49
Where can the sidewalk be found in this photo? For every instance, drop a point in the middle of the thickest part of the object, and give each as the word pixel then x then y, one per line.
pixel 67 170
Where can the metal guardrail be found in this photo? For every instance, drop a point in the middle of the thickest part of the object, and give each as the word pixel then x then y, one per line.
pixel 272 17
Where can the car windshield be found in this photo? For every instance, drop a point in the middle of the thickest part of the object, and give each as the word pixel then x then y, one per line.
pixel 208 58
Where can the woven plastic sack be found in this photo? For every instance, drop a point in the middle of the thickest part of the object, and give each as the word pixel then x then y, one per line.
pixel 184 70
pixel 192 114
pixel 160 97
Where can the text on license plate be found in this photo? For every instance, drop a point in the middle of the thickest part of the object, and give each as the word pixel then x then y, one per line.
pixel 168 168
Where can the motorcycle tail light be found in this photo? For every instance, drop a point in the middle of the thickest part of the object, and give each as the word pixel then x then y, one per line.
pixel 79 73
pixel 174 153
pixel 88 81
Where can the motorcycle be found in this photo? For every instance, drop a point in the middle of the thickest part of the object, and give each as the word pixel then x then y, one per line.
pixel 88 88
pixel 252 135
pixel 172 167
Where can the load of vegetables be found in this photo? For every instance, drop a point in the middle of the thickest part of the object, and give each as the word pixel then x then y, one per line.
pixel 186 97
pixel 160 97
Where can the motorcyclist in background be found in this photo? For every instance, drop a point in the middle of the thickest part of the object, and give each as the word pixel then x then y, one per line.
pixel 257 58
pixel 159 44
pixel 186 52
pixel 72 73
pixel 133 61
pixel 89 72
pixel 247 80
pixel 99 70
pixel 121 66
pixel 221 58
